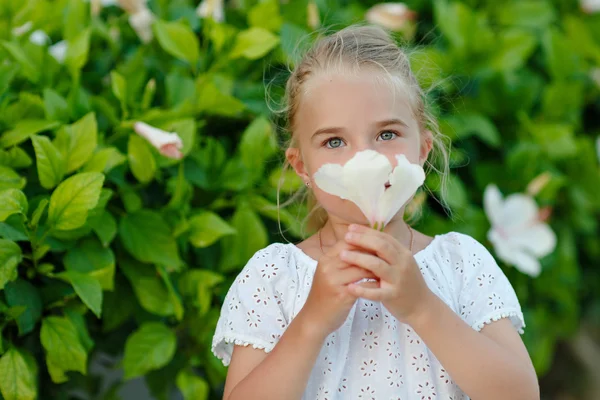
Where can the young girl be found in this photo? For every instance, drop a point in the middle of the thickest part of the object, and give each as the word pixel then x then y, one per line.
pixel 437 318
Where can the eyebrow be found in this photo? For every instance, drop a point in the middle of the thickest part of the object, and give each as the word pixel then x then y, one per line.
pixel 380 124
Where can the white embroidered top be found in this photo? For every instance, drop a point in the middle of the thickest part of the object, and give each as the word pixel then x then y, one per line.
pixel 372 355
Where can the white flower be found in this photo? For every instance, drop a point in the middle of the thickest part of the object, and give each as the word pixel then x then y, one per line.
pixel 211 9
pixel 590 6
pixel 39 37
pixel 518 234
pixel 59 51
pixel 392 16
pixel 169 144
pixel 140 18
pixel 369 181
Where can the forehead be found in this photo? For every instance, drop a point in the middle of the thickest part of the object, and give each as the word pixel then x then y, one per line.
pixel 352 101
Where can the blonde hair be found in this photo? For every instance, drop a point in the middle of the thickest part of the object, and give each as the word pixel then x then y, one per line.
pixel 354 48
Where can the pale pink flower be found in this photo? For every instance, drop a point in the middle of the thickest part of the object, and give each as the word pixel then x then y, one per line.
pixel 169 144
pixel 519 233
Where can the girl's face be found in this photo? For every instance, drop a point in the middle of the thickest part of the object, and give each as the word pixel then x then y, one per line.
pixel 340 115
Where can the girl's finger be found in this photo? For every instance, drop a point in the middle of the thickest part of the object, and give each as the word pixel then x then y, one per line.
pixel 352 274
pixel 380 245
pixel 376 265
pixel 366 291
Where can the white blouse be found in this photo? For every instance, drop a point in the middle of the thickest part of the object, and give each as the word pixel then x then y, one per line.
pixel 372 355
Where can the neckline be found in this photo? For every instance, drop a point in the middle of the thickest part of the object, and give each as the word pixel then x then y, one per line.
pixel 417 255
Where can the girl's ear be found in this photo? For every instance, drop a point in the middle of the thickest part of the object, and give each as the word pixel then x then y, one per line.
pixel 426 145
pixel 294 157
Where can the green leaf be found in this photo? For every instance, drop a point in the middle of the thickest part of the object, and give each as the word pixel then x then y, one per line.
pixel 198 284
pixel 207 227
pixel 24 130
pixel 105 228
pixel 141 160
pixel 28 67
pixel 149 348
pixel 526 13
pixel 9 179
pixel 56 106
pixel 78 320
pixel 557 140
pixel 515 47
pixel 12 201
pixel 148 287
pixel 119 89
pixel 77 51
pixel 39 211
pixel 15 157
pixel 254 43
pixel 91 258
pixel 87 288
pixel 147 237
pixel 83 136
pixel 104 160
pixel 561 59
pixel 23 293
pixel 266 15
pixel 64 351
pixel 192 386
pixel 251 236
pixel 17 376
pixel 10 258
pixel 50 162
pixel 212 100
pixel 465 125
pixel 73 198
pixel 178 40
pixel 257 144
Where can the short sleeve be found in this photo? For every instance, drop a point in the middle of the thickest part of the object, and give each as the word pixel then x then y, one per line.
pixel 256 308
pixel 484 292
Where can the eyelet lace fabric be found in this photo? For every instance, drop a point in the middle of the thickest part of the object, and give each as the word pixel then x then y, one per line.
pixel 372 355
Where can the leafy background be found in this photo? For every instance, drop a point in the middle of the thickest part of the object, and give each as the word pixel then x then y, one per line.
pixel 114 260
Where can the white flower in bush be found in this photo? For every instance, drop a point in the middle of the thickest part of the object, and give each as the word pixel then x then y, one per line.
pixel 169 144
pixel 369 181
pixel 59 51
pixel 211 9
pixel 140 18
pixel 39 37
pixel 590 6
pixel 519 234
pixel 392 16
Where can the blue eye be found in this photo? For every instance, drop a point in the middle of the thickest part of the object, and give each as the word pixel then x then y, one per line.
pixel 388 135
pixel 333 143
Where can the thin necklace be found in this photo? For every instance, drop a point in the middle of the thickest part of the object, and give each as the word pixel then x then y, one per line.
pixel 412 239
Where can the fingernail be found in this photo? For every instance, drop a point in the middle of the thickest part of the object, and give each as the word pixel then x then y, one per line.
pixel 344 253
pixel 350 236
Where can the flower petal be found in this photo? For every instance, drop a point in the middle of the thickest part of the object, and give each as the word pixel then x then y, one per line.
pixel 361 180
pixel 168 143
pixel 59 51
pixel 405 179
pixel 518 211
pixel 492 204
pixel 539 240
pixel 515 256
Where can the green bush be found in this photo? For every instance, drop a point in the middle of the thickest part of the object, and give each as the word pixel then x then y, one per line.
pixel 109 247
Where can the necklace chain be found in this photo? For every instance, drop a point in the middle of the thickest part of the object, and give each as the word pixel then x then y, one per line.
pixel 412 239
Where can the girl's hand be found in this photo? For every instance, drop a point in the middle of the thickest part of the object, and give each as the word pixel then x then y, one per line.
pixel 402 289
pixel 329 300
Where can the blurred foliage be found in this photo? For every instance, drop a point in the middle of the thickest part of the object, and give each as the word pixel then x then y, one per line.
pixel 108 247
